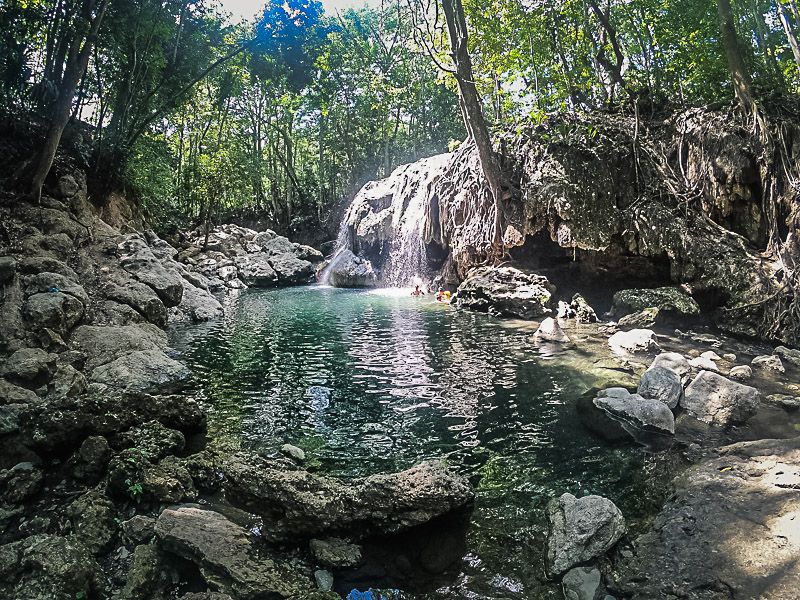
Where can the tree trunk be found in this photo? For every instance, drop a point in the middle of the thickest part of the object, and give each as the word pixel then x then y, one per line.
pixel 739 75
pixel 614 69
pixel 787 28
pixel 471 108
pixel 79 53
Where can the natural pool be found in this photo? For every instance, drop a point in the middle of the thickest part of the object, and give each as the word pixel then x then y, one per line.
pixel 370 381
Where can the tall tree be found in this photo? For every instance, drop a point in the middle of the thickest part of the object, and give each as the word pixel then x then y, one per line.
pixel 730 42
pixel 471 107
pixel 80 49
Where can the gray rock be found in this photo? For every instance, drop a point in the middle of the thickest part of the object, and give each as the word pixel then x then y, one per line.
pixel 583 312
pixel 661 384
pixel 551 331
pixel 227 273
pixel 741 373
pixel 769 362
pixel 581 583
pixel 29 366
pixel 152 439
pixel 335 552
pixel 19 483
pixel 13 394
pixel 139 529
pixel 324 579
pixel 350 271
pixel 89 463
pixel 48 566
pixel 713 399
pixel 644 413
pixel 255 271
pixel 580 530
pixel 291 270
pixel 308 253
pixel 634 341
pixel 293 452
pixel 147 579
pixel 102 345
pixel 789 355
pixel 297 504
pixel 148 371
pixel 643 319
pixel 141 298
pixel 728 530
pixel 672 361
pixel 665 299
pixel 276 246
pixel 226 555
pixel 46 264
pixel 197 305
pixel 784 399
pixel 66 383
pixel 56 311
pixel 93 523
pixel 44 282
pixel 67 186
pixel 136 257
pixel 9 417
pixel 703 362
pixel 504 291
pixel 8 268
pixel 131 476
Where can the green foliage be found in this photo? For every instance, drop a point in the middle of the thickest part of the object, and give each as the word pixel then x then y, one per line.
pixel 134 490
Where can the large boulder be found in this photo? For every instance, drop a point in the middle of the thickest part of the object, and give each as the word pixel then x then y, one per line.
pixel 669 301
pixel 291 270
pixel 137 258
pixel 504 291
pixel 350 271
pixel 228 557
pixel 197 305
pixel 30 367
pixel 51 567
pixel 550 331
pixel 53 310
pixel 713 399
pixel 296 503
pixel 729 530
pixel 102 345
pixel 642 413
pixel 672 361
pixel 141 298
pixel 581 529
pixel 661 384
pixel 147 371
pixel 255 270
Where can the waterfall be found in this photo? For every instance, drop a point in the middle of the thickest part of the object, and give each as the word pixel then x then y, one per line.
pixel 385 225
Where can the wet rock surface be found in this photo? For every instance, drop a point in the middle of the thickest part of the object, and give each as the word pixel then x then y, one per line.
pixel 642 413
pixel 716 400
pixel 350 271
pixel 296 503
pixel 504 292
pixel 581 529
pixel 728 532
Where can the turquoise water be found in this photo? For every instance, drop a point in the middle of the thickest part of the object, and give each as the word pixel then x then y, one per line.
pixel 370 381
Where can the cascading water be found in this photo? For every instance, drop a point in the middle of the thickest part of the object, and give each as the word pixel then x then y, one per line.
pixel 387 219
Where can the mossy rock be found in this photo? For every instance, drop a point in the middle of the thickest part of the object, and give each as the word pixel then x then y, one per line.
pixel 665 299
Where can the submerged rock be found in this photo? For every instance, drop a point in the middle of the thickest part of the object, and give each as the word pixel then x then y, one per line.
pixel 504 292
pixel 581 583
pixel 713 399
pixel 297 504
pixel 770 362
pixel 581 529
pixel 644 319
pixel 728 531
pixel 790 355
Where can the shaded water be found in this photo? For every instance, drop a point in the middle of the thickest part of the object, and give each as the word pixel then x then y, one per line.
pixel 371 381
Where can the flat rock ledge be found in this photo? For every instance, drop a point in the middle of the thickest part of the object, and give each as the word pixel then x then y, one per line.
pixel 297 504
pixel 729 531
pixel 229 557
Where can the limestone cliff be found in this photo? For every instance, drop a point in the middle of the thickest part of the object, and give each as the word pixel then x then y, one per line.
pixel 692 199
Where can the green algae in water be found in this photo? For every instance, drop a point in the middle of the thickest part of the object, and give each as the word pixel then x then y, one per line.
pixel 369 381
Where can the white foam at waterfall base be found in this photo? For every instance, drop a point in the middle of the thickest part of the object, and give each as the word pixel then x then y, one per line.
pixel 407 264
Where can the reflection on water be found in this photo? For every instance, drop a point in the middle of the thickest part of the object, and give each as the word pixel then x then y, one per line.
pixel 370 381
